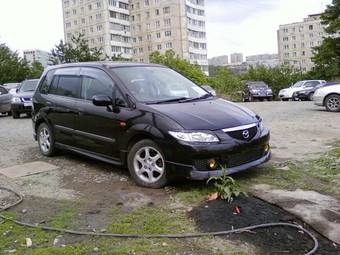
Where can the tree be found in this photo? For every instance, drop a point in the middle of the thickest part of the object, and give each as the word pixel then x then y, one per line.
pixel 36 70
pixel 327 55
pixel 12 67
pixel 76 51
pixel 184 67
pixel 226 83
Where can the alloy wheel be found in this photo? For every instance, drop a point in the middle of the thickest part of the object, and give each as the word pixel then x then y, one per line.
pixel 149 164
pixel 45 140
pixel 333 103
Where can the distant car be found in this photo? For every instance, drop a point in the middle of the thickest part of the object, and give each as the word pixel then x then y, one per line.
pixel 328 96
pixel 22 100
pixel 257 90
pixel 11 87
pixel 307 93
pixel 5 101
pixel 287 94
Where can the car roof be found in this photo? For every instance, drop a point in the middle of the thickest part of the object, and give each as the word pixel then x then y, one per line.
pixel 105 64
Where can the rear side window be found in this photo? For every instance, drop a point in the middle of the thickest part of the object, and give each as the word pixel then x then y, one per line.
pixel 66 85
pixel 312 84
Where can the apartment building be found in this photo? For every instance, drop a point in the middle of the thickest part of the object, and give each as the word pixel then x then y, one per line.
pixel 268 60
pixel 105 24
pixel 37 55
pixel 297 40
pixel 136 28
pixel 236 58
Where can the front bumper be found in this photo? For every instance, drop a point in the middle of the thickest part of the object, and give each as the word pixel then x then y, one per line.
pixel 318 100
pixel 191 161
pixel 21 108
pixel 200 175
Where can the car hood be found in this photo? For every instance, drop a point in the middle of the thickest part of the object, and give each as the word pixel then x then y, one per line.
pixel 24 94
pixel 207 115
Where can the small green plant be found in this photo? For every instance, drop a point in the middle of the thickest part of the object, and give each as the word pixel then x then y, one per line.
pixel 226 187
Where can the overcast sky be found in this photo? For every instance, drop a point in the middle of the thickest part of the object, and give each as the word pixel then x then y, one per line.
pixel 247 26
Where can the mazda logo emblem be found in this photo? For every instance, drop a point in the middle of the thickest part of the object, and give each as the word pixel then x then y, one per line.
pixel 245 134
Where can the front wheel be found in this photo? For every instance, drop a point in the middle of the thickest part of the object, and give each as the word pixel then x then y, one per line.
pixel 332 103
pixel 45 140
pixel 146 164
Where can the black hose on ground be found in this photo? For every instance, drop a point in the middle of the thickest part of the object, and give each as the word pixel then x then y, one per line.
pixel 168 236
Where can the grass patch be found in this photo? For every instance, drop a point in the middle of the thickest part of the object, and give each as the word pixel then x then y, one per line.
pixel 322 175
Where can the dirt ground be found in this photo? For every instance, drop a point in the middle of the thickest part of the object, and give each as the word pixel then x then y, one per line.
pixel 299 131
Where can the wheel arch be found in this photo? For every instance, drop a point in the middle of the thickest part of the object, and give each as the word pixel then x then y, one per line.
pixel 330 94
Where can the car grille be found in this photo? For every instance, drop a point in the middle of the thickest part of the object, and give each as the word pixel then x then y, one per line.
pixel 244 157
pixel 233 160
pixel 240 135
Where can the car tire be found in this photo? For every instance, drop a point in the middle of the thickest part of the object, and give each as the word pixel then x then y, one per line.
pixel 332 103
pixel 45 140
pixel 146 164
pixel 310 96
pixel 15 115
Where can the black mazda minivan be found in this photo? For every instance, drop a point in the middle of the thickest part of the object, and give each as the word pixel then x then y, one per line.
pixel 146 117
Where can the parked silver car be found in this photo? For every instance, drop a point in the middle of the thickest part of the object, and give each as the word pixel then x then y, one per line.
pixel 5 101
pixel 328 96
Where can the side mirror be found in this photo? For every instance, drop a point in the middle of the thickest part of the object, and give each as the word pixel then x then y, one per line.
pixel 104 101
pixel 17 90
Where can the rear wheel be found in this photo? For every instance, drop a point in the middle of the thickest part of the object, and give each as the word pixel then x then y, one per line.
pixel 332 103
pixel 146 164
pixel 310 96
pixel 45 140
pixel 15 115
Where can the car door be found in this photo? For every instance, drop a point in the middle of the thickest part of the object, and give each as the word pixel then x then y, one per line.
pixel 5 100
pixel 61 104
pixel 96 127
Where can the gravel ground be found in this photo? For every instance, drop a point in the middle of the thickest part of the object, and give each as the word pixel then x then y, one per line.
pixel 299 130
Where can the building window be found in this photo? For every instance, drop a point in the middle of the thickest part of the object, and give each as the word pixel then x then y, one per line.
pixel 159 46
pixel 310 27
pixel 168 45
pixel 167 33
pixel 158 23
pixel 166 10
pixel 158 35
pixel 157 12
pixel 167 22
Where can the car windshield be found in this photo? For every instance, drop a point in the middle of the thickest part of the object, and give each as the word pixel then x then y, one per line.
pixel 149 84
pixel 29 85
pixel 298 84
pixel 258 86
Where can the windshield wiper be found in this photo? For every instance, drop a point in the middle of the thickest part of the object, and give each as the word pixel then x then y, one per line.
pixel 196 98
pixel 171 100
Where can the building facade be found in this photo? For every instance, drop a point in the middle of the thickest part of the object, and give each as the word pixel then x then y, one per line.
pixel 236 58
pixel 135 28
pixel 219 61
pixel 297 40
pixel 268 60
pixel 37 55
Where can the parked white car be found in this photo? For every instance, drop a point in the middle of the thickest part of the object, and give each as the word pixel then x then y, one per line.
pixel 328 96
pixel 287 94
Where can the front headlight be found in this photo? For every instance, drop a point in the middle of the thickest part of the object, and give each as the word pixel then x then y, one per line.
pixel 16 100
pixel 195 137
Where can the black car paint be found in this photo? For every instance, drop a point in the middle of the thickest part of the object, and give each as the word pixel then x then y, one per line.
pixel 106 133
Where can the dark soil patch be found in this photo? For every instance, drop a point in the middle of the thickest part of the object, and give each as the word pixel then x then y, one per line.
pixel 218 216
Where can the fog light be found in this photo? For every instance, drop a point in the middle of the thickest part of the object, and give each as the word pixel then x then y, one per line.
pixel 212 164
pixel 266 148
